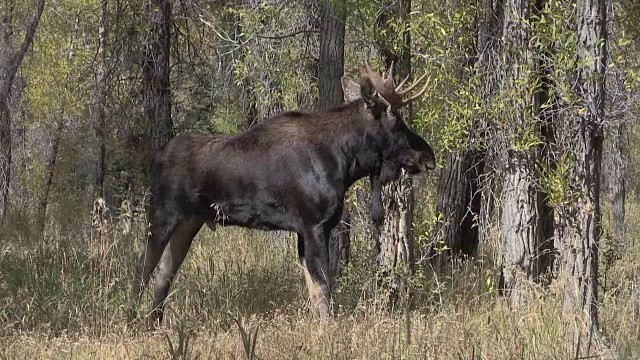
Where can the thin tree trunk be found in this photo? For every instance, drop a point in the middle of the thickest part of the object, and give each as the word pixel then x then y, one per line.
pixel 48 180
pixel 246 89
pixel 5 157
pixel 251 110
pixel 257 110
pixel 618 103
pixel 331 70
pixel 10 61
pixel 156 76
pixel 618 185
pixel 616 176
pixel 100 102
pixel 331 59
pixel 579 223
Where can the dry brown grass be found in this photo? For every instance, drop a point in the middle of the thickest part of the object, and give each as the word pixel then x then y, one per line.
pixel 65 300
pixel 494 333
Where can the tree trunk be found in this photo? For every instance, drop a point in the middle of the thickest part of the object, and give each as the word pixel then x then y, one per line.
pixel 521 226
pixel 331 70
pixel 526 219
pixel 48 180
pixel 256 107
pixel 5 157
pixel 579 220
pixel 616 174
pixel 618 186
pixel 331 59
pixel 10 61
pixel 489 34
pixel 458 200
pixel 156 76
pixel 100 102
pixel 395 239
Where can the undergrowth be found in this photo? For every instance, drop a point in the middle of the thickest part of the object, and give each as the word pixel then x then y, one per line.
pixel 240 295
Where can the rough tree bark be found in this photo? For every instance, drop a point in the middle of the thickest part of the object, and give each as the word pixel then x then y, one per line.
pixel 618 183
pixel 616 169
pixel 330 71
pixel 489 34
pixel 155 69
pixel 521 209
pixel 527 222
pixel 458 200
pixel 395 241
pixel 579 224
pixel 489 30
pixel 10 60
pixel 521 227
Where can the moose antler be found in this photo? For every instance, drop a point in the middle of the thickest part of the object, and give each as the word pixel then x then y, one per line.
pixel 391 94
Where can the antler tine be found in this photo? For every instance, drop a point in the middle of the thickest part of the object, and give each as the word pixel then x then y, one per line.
pixel 366 70
pixel 402 83
pixel 389 79
pixel 426 85
pixel 376 93
pixel 405 91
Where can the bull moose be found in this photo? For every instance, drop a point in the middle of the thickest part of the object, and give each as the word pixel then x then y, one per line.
pixel 289 172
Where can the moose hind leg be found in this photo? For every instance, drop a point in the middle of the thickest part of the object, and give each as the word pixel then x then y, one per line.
pixel 170 263
pixel 305 272
pixel 315 265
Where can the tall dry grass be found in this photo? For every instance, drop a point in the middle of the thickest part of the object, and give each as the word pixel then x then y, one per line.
pixel 241 295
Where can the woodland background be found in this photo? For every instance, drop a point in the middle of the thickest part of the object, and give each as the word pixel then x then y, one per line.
pixel 520 245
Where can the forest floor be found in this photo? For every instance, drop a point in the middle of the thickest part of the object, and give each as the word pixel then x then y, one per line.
pixel 242 292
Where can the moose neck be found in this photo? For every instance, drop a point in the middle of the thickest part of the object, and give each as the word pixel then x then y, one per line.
pixel 361 141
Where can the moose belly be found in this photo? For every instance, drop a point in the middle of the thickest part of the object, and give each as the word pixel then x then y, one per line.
pixel 261 216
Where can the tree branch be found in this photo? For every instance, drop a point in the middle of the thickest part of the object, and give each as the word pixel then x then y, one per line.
pixel 15 62
pixel 280 37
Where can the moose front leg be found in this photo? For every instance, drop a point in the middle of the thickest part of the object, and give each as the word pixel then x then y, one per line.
pixel 313 255
pixel 172 258
pixel 162 226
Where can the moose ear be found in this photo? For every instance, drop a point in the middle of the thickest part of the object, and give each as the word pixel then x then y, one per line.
pixel 351 89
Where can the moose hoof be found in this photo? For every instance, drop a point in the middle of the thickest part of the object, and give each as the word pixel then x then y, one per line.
pixel 321 309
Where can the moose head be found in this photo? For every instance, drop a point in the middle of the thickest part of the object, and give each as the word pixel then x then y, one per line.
pixel 405 149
